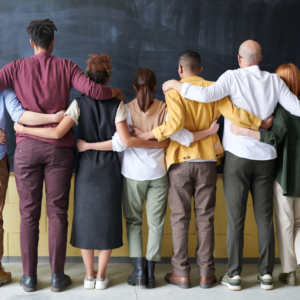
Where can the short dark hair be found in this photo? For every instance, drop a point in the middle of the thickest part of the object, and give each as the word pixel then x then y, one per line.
pixel 41 32
pixel 192 58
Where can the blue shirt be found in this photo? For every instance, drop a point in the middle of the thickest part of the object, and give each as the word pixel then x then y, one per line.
pixel 9 99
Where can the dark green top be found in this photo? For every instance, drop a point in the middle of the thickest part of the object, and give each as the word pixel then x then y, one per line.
pixel 285 133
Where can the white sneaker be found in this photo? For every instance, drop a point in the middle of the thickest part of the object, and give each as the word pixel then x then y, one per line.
pixel 102 283
pixel 89 283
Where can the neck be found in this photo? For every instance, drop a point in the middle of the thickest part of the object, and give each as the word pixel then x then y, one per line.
pixel 249 65
pixel 41 50
pixel 187 75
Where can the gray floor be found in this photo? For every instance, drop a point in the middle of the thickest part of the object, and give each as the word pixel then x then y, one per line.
pixel 118 289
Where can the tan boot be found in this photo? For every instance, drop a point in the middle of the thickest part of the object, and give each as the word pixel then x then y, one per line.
pixel 5 277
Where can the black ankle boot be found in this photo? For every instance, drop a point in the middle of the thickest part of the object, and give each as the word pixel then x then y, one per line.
pixel 138 276
pixel 28 283
pixel 150 266
pixel 60 281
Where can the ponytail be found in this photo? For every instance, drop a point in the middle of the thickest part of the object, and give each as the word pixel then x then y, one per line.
pixel 144 97
pixel 144 82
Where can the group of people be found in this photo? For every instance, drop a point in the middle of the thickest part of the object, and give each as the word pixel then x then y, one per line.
pixel 144 151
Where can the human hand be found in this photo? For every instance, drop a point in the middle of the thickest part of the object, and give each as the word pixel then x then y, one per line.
pixel 19 128
pixel 136 132
pixel 267 124
pixel 59 116
pixel 2 137
pixel 214 127
pixel 82 145
pixel 238 130
pixel 118 94
pixel 172 84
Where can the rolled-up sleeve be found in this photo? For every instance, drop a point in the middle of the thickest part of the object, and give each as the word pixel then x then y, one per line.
pixel 13 105
pixel 176 118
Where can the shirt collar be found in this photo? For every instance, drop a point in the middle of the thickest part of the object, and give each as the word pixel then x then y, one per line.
pixel 193 78
pixel 252 68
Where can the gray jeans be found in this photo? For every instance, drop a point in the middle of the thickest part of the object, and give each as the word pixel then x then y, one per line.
pixel 241 176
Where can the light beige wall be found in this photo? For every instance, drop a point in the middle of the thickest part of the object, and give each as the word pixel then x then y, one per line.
pixel 12 228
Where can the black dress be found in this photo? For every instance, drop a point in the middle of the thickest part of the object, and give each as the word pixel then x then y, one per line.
pixel 97 222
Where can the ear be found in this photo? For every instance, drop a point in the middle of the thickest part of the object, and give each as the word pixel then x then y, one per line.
pixel 154 88
pixel 200 70
pixel 260 59
pixel 31 43
pixel 239 59
pixel 133 86
pixel 52 43
pixel 180 69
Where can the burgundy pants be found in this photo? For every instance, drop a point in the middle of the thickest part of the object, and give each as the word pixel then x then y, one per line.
pixel 35 161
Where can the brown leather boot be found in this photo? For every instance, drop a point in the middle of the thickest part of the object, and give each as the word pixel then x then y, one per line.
pixel 182 282
pixel 5 277
pixel 208 282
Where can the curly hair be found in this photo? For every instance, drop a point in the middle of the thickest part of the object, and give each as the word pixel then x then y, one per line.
pixel 99 68
pixel 41 32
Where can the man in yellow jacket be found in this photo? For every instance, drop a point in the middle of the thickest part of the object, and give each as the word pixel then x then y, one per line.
pixel 192 170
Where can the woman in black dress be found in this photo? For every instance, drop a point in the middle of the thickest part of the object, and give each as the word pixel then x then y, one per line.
pixel 97 222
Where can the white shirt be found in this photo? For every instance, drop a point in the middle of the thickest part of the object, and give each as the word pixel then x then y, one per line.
pixel 146 164
pixel 255 91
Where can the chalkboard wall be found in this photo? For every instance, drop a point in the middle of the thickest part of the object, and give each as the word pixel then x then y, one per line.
pixel 138 33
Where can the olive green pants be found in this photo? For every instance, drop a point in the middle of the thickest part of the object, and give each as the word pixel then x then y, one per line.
pixel 155 193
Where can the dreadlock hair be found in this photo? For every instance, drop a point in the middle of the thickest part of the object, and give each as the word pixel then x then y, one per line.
pixel 99 68
pixel 41 32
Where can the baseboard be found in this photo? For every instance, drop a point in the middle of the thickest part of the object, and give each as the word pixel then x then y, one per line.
pixel 128 260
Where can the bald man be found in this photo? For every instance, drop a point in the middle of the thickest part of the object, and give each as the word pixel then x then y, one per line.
pixel 249 164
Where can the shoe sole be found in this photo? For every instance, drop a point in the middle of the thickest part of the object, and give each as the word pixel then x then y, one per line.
pixel 58 290
pixel 265 286
pixel 5 281
pixel 138 282
pixel 181 285
pixel 150 284
pixel 288 283
pixel 89 288
pixel 208 285
pixel 27 289
pixel 232 287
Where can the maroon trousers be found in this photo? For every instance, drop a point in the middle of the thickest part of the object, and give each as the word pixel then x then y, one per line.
pixel 35 161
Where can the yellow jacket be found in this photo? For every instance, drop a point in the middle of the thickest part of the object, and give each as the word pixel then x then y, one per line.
pixel 195 116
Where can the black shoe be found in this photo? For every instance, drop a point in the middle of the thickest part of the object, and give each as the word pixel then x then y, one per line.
pixel 60 281
pixel 150 266
pixel 138 276
pixel 28 283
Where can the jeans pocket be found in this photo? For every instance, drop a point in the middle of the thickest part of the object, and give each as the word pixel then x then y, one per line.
pixel 23 152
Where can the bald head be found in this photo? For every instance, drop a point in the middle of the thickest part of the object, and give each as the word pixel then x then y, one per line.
pixel 250 51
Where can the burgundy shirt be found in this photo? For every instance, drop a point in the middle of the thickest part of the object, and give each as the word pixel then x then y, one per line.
pixel 43 82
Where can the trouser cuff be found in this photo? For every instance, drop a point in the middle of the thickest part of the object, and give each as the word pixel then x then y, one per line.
pixel 181 273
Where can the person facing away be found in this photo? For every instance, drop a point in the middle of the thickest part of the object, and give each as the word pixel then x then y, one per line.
pixel 9 101
pixel 42 83
pixel 145 177
pixel 97 221
pixel 285 134
pixel 249 164
pixel 192 170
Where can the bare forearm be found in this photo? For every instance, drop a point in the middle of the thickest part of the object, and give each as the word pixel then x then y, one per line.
pixel 47 133
pixel 33 119
pixel 199 135
pixel 134 142
pixel 253 133
pixel 100 146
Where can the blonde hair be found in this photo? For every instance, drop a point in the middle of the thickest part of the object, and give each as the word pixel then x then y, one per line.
pixel 290 74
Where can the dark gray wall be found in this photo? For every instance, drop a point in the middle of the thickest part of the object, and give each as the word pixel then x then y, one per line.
pixel 151 33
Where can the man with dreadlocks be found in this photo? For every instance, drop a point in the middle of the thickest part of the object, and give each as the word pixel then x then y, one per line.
pixel 42 84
